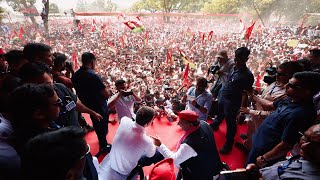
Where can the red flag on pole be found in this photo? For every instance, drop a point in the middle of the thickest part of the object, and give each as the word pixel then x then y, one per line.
pixel 210 35
pixel 248 32
pixel 122 41
pixel 21 33
pixel 74 60
pixel 146 39
pixel 103 34
pixel 169 57
pixel 94 26
pixel 79 26
pixel 202 38
pixel 185 77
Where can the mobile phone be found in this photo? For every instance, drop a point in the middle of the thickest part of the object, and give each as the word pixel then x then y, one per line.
pixel 238 174
pixel 128 93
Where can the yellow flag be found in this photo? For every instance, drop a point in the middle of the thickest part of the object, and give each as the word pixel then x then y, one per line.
pixel 293 43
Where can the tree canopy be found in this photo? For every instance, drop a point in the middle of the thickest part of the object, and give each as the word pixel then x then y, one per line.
pixel 53 8
pixel 96 5
pixel 290 9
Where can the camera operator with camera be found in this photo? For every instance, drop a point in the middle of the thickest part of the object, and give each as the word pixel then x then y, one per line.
pixel 124 100
pixel 221 68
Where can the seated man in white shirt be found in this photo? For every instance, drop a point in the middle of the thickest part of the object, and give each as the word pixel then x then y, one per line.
pixel 130 143
pixel 196 155
pixel 123 101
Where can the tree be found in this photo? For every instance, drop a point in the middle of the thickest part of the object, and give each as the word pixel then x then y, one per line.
pixel 81 6
pixel 1 13
pixel 53 8
pixel 223 6
pixel 97 5
pixel 166 5
pixel 110 6
pixel 290 9
pixel 18 4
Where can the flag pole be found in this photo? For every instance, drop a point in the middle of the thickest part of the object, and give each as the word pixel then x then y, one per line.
pixel 254 6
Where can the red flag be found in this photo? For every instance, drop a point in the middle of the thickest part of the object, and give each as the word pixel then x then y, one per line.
pixel 14 34
pixel 146 39
pixel 185 77
pixel 94 25
pixel 129 25
pixel 248 32
pixel 210 35
pixel 104 25
pixel 79 26
pixel 21 33
pixel 202 38
pixel 74 60
pixel 258 83
pixel 103 34
pixel 122 41
pixel 93 28
pixel 169 57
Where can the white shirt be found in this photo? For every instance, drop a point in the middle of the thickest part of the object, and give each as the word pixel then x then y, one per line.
pixel 184 153
pixel 124 106
pixel 129 144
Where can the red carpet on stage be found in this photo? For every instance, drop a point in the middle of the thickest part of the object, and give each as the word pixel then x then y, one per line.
pixel 170 133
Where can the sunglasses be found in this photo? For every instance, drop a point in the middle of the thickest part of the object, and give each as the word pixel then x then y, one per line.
pixel 293 86
pixel 58 103
pixel 86 152
pixel 307 139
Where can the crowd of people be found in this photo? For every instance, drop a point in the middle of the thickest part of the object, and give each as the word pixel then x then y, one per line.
pixel 186 70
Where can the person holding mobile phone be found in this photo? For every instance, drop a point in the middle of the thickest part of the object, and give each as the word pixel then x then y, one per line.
pixel 124 100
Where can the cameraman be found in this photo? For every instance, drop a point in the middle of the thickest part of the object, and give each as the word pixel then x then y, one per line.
pixel 123 101
pixel 222 68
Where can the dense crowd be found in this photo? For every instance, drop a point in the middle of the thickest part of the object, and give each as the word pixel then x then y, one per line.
pixel 187 69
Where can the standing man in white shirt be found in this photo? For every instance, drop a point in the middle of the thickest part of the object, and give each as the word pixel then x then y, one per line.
pixel 123 101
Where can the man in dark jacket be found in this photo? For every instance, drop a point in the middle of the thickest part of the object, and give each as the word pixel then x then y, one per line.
pixel 196 155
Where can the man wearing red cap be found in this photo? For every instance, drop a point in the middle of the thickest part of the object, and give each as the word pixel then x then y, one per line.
pixel 196 155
